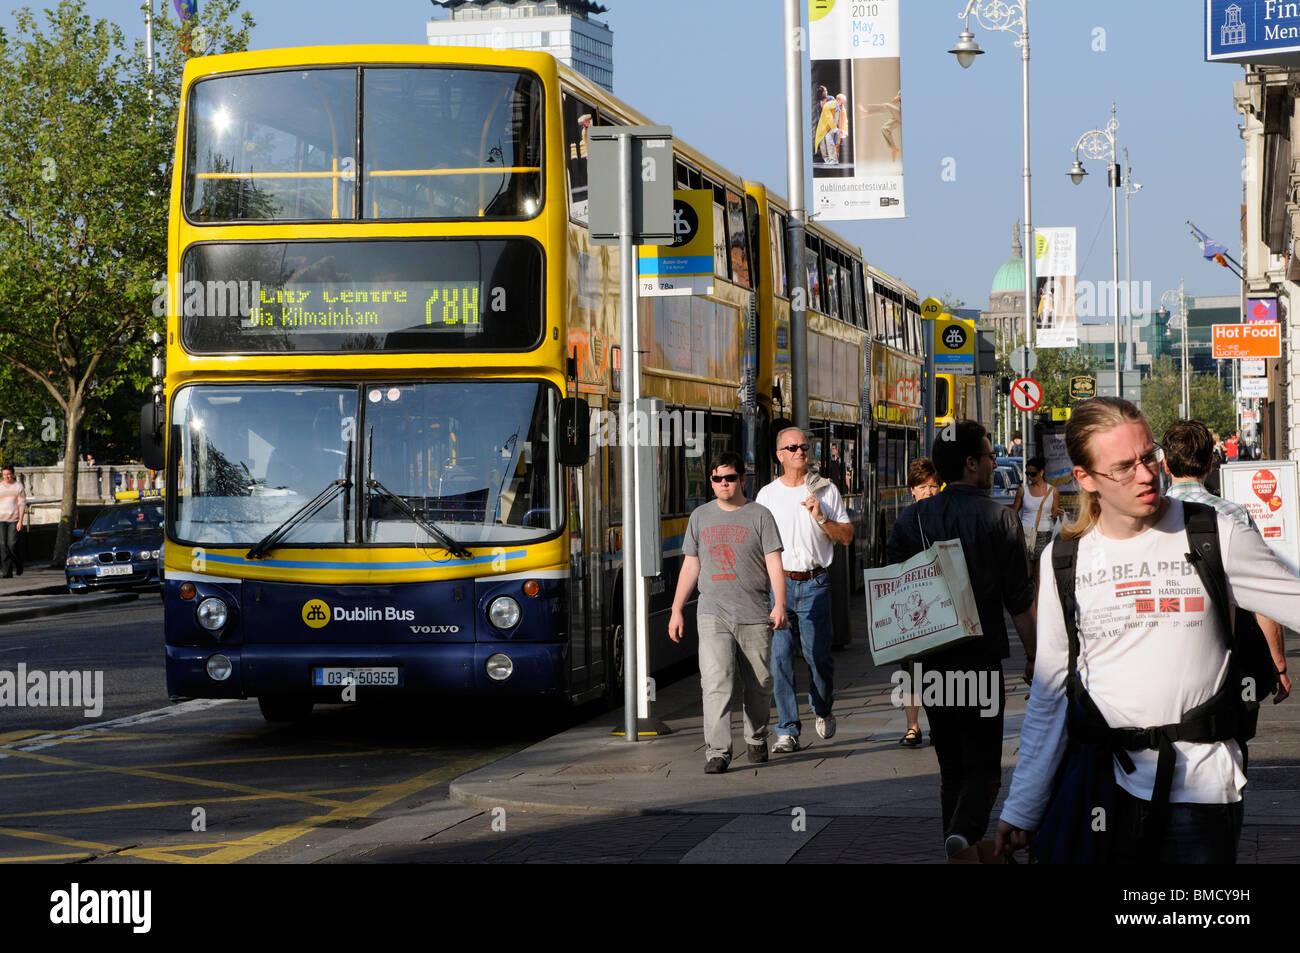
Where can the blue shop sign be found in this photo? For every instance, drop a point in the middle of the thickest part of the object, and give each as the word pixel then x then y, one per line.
pixel 1253 31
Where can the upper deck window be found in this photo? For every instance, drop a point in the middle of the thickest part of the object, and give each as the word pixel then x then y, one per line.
pixel 427 143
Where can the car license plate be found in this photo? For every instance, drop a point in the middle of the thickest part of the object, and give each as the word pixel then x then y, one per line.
pixel 368 677
pixel 123 570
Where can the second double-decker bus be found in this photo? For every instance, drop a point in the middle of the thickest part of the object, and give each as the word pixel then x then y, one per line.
pixel 385 328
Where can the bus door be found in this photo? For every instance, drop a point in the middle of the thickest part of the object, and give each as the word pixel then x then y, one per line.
pixel 586 579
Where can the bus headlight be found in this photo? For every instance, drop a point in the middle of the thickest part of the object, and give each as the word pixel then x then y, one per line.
pixel 212 613
pixel 219 668
pixel 499 667
pixel 503 612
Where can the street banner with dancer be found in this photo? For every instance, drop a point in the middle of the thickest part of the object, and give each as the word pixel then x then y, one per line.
pixel 856 111
pixel 1056 323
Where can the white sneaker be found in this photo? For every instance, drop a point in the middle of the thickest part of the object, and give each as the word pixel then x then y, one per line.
pixel 826 726
pixel 786 744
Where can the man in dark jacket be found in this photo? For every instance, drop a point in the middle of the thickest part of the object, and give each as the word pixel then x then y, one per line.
pixel 967 738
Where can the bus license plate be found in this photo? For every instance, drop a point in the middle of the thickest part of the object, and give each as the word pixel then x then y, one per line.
pixel 368 677
pixel 124 570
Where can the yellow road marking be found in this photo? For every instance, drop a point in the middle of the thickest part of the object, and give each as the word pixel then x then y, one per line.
pixel 55 839
pixel 189 802
pixel 42 858
pixel 276 837
pixel 373 752
pixel 178 778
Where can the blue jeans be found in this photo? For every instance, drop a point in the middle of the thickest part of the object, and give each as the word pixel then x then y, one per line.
pixel 1194 833
pixel 809 601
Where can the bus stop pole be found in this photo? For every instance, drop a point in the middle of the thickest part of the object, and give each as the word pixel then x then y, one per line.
pixel 627 451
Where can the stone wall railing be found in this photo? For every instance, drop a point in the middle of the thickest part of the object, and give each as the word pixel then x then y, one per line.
pixel 96 486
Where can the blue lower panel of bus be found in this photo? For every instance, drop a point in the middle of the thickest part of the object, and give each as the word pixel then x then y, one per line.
pixel 426 637
pixel 447 669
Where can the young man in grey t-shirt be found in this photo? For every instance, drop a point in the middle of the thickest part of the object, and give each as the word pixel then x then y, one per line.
pixel 733 550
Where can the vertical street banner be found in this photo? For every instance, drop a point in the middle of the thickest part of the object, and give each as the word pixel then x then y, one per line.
pixel 1056 320
pixel 857 109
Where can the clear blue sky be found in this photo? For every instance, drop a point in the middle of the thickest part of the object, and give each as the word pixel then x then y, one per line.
pixel 1175 113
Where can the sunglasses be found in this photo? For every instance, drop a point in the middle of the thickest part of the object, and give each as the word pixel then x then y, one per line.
pixel 1032 474
pixel 795 448
pixel 726 478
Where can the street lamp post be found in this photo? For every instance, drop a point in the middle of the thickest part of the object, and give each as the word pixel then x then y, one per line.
pixel 1100 144
pixel 1167 301
pixel 1009 16
pixel 1130 357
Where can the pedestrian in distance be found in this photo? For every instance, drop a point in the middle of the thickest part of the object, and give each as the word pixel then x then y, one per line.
pixel 1189 459
pixel 811 516
pixel 923 483
pixel 1148 657
pixel 1038 506
pixel 13 513
pixel 732 549
pixel 967 738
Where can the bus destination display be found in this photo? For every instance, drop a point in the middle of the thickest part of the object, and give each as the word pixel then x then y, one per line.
pixel 330 296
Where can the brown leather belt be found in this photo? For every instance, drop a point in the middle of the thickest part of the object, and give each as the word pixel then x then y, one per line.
pixel 804 576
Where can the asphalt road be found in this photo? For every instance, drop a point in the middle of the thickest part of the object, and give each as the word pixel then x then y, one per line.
pixel 209 781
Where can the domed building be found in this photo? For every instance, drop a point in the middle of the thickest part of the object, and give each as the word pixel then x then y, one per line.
pixel 1006 312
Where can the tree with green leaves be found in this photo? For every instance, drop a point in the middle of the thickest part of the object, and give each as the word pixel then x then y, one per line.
pixel 85 177
pixel 1162 393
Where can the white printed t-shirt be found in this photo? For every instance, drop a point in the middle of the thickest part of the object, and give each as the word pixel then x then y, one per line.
pixel 807 546
pixel 1150 649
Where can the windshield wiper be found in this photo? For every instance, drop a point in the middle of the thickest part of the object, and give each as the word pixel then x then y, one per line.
pixel 449 544
pixel 304 512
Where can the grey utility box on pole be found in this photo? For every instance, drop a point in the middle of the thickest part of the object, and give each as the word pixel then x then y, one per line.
pixel 652 184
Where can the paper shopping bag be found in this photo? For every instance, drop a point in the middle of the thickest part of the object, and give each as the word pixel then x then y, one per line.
pixel 921 605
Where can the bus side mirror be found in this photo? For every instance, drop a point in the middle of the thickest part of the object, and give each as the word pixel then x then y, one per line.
pixel 152 451
pixel 575 432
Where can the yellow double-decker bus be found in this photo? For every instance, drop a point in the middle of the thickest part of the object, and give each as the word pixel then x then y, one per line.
pixel 389 347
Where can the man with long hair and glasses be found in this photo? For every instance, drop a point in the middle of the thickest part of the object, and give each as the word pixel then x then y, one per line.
pixel 733 550
pixel 1151 647
pixel 967 737
pixel 811 516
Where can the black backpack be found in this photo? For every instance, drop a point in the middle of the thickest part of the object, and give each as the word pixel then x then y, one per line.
pixel 1085 780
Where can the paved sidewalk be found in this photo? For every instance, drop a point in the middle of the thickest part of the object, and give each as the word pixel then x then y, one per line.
pixel 42 591
pixel 587 796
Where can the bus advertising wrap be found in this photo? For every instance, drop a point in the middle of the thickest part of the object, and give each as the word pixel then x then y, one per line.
pixel 857 110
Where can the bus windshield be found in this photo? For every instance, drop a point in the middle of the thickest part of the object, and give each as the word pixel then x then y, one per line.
pixel 474 458
pixel 426 143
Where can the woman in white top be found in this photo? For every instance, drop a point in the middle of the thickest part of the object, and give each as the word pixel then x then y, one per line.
pixel 1039 506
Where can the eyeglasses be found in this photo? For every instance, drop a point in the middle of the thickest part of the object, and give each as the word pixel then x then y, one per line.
pixel 725 478
pixel 795 448
pixel 992 454
pixel 1126 472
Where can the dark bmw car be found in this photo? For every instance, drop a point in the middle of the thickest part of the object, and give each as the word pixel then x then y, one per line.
pixel 119 549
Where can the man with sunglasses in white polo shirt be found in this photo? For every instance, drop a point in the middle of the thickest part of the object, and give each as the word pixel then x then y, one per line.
pixel 810 514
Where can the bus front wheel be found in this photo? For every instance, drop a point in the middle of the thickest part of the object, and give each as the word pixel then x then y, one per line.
pixel 282 708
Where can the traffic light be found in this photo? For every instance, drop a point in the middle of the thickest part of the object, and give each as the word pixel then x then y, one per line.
pixel 1004 386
